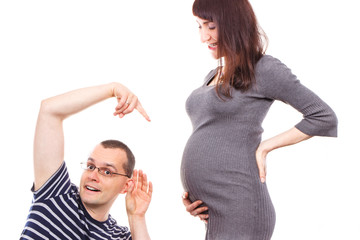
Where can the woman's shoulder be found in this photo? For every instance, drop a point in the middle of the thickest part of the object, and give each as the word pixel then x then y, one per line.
pixel 269 67
pixel 272 75
pixel 268 63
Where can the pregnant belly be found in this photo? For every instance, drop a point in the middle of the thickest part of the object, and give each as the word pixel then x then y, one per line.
pixel 212 163
pixel 221 171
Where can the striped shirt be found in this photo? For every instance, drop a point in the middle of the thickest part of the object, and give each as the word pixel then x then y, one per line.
pixel 58 213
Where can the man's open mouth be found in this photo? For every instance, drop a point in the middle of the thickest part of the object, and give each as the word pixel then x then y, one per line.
pixel 92 189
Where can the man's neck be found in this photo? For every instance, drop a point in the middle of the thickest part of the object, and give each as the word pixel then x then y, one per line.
pixel 99 213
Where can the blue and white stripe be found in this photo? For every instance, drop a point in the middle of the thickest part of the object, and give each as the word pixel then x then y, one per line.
pixel 57 213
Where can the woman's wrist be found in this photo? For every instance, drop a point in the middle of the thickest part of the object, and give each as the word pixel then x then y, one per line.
pixel 265 147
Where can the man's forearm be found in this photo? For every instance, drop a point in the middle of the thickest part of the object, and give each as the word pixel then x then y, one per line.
pixel 69 103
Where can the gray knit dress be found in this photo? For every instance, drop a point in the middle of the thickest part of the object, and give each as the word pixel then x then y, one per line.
pixel 219 166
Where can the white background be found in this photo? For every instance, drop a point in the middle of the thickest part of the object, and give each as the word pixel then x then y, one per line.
pixel 50 47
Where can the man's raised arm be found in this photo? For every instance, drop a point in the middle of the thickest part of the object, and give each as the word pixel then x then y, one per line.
pixel 49 136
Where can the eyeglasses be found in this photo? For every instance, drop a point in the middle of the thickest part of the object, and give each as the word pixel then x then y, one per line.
pixel 102 170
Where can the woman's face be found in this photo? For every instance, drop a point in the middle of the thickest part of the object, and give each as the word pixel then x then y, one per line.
pixel 208 34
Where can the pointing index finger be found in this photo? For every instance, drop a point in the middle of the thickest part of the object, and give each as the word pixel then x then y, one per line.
pixel 142 111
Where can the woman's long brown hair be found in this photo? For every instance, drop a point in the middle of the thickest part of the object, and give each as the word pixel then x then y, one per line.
pixel 240 41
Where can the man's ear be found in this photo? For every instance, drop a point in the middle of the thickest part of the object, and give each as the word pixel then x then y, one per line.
pixel 128 186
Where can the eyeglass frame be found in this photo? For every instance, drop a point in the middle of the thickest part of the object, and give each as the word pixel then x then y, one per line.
pixel 84 166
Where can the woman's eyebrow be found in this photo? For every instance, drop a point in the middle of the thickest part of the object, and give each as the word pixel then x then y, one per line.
pixel 204 23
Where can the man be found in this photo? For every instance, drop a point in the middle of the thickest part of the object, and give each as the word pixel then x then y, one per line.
pixel 60 210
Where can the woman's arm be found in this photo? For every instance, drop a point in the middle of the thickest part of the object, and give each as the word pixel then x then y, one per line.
pixel 276 82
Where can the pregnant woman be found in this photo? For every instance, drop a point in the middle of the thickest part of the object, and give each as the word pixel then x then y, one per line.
pixel 224 159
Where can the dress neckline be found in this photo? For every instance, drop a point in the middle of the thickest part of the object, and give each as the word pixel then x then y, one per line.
pixel 210 77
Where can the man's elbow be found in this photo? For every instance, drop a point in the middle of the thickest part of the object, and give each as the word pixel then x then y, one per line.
pixel 48 109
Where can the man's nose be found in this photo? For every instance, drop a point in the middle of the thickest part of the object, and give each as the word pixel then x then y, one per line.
pixel 94 175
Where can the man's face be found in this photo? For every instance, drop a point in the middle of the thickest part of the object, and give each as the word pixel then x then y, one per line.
pixel 97 190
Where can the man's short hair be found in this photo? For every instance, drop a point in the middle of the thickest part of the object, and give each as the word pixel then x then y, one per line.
pixel 129 166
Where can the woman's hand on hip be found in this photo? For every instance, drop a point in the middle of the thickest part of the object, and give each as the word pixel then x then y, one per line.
pixel 261 154
pixel 290 137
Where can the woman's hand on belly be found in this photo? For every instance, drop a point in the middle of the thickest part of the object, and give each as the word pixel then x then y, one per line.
pixel 194 208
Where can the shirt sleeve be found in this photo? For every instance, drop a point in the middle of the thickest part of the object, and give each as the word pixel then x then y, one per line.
pixel 277 82
pixel 57 184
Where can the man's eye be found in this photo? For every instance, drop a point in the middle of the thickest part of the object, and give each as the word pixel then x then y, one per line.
pixel 107 172
pixel 91 167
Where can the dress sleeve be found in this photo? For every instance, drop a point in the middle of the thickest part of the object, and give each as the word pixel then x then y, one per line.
pixel 277 82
